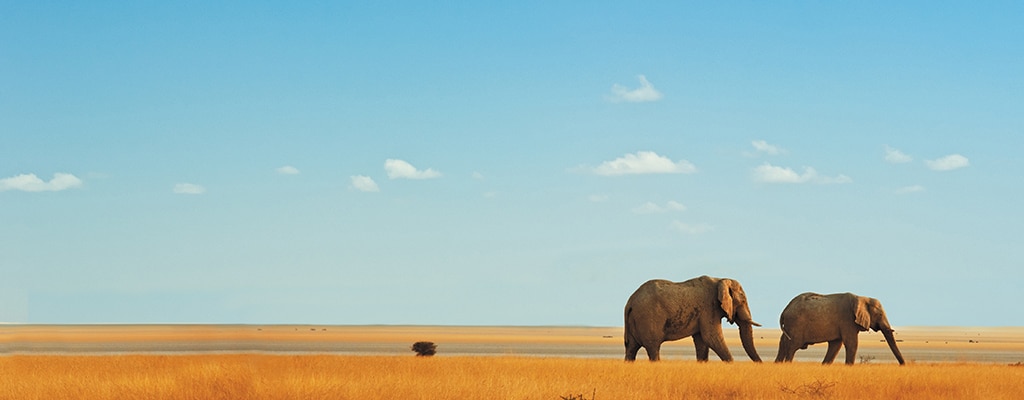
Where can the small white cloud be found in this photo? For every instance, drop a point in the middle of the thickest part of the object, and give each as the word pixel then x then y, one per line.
pixel 598 198
pixel 767 173
pixel 645 93
pixel 364 184
pixel 32 183
pixel 691 229
pixel 652 208
pixel 188 188
pixel 910 189
pixel 399 169
pixel 948 163
pixel 490 195
pixel 288 170
pixel 763 147
pixel 895 156
pixel 478 176
pixel 644 162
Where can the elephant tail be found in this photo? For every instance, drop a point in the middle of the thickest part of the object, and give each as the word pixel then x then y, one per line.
pixel 782 325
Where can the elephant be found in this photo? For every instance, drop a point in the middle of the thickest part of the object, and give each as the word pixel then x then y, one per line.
pixel 834 318
pixel 661 311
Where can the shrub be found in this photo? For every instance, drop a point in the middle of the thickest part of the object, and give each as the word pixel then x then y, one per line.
pixel 424 349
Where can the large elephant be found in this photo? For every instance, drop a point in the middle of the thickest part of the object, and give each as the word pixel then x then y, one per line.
pixel 661 311
pixel 834 318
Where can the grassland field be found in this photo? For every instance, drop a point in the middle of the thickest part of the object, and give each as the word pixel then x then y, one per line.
pixel 375 362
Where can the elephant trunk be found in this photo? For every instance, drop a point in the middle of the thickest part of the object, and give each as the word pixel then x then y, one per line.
pixel 892 344
pixel 747 338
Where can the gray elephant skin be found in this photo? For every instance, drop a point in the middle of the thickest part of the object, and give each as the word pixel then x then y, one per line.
pixel 661 311
pixel 834 318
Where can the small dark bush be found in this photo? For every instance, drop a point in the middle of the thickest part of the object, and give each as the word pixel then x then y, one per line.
pixel 424 349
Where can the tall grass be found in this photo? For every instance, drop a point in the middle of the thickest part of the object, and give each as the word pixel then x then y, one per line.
pixel 261 376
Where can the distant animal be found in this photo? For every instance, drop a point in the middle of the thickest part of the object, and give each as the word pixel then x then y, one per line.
pixel 661 311
pixel 834 318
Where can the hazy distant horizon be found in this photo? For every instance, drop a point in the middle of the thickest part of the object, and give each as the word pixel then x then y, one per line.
pixel 919 345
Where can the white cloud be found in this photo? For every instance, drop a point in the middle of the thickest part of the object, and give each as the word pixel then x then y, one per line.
pixel 598 198
pixel 651 208
pixel 32 183
pixel 896 157
pixel 478 176
pixel 364 184
pixel 910 189
pixel 763 147
pixel 767 173
pixel 288 170
pixel 188 188
pixel 675 206
pixel 691 229
pixel 645 93
pixel 948 163
pixel 399 169
pixel 644 162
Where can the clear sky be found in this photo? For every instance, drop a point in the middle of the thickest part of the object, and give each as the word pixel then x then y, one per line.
pixel 512 163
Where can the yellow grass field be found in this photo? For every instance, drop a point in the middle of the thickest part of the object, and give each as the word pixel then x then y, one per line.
pixel 375 362
pixel 261 376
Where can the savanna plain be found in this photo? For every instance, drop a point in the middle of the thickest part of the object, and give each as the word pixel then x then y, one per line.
pixel 375 362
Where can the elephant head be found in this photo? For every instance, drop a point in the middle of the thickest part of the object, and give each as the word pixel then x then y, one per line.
pixel 734 303
pixel 868 314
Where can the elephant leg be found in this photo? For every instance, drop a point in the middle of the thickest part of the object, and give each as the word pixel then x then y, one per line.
pixel 793 347
pixel 631 350
pixel 851 342
pixel 716 342
pixel 784 345
pixel 701 347
pixel 653 351
pixel 833 350
pixel 792 350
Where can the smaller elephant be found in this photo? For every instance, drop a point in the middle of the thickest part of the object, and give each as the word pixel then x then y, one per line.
pixel 834 318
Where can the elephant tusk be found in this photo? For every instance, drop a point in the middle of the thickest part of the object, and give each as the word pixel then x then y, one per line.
pixel 754 323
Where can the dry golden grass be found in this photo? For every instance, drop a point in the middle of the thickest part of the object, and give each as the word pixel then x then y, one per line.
pixel 262 376
pixel 394 373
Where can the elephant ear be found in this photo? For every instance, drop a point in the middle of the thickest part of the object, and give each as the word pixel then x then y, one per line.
pixel 725 297
pixel 860 313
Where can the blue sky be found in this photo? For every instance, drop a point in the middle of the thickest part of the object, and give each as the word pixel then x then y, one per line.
pixel 528 163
